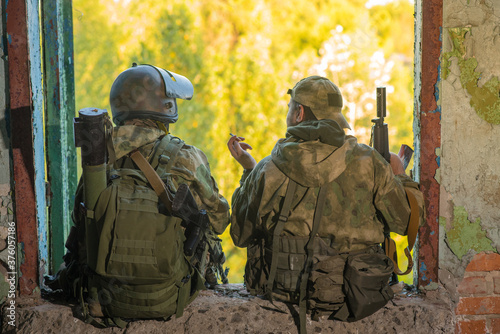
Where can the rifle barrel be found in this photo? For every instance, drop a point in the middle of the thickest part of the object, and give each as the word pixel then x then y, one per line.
pixel 381 103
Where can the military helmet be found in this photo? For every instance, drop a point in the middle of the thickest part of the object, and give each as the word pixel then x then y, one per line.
pixel 322 96
pixel 148 92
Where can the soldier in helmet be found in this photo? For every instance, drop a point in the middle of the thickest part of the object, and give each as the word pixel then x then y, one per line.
pixel 362 197
pixel 143 105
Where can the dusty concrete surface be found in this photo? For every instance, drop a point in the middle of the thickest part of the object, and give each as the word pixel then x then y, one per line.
pixel 229 309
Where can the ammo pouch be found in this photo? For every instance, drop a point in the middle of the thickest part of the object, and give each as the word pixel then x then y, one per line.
pixel 324 286
pixel 366 284
pixel 350 287
pixel 326 281
pixel 347 287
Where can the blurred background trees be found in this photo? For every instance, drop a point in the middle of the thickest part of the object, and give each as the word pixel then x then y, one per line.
pixel 242 56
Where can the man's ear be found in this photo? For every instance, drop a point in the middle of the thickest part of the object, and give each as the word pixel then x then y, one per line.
pixel 300 113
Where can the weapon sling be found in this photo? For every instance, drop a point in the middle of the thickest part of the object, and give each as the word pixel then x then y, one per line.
pixel 154 179
pixel 390 245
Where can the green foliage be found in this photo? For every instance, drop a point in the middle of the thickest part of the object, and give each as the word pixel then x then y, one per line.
pixel 242 56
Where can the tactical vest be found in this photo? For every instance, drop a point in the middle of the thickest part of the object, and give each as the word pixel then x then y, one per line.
pixel 308 271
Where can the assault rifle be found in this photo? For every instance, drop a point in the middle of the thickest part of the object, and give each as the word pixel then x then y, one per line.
pixel 380 141
pixel 184 206
pixel 380 136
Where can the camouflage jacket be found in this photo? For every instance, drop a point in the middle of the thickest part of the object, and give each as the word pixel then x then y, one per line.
pixel 190 167
pixel 364 198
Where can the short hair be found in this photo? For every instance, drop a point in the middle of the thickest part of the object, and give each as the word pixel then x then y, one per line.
pixel 308 114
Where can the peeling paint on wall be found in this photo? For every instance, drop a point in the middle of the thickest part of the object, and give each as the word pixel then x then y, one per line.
pixel 429 114
pixel 486 99
pixel 437 175
pixel 465 235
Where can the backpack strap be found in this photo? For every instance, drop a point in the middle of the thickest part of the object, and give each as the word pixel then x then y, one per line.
pixel 156 182
pixel 184 287
pixel 166 157
pixel 390 245
pixel 283 218
pixel 318 213
pixel 172 147
pixel 158 150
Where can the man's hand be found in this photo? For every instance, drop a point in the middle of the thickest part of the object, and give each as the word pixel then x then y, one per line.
pixel 397 164
pixel 239 152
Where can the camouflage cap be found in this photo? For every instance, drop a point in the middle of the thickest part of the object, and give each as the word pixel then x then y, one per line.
pixel 322 96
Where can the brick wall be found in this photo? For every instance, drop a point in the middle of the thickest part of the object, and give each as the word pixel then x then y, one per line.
pixel 478 310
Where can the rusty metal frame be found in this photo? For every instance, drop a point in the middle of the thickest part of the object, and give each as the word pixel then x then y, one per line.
pixel 26 115
pixel 429 113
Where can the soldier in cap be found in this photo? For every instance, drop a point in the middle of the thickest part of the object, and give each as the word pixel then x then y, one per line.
pixel 364 197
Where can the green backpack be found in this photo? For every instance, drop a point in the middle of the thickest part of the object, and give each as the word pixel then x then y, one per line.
pixel 135 266
pixel 308 271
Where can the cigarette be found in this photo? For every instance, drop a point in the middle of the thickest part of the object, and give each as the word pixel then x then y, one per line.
pixel 231 134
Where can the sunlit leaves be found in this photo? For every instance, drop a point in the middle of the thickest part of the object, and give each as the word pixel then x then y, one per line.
pixel 242 56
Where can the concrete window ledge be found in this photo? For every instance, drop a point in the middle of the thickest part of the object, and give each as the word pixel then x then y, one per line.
pixel 229 309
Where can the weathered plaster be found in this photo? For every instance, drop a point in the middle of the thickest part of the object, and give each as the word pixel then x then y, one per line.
pixel 470 12
pixel 470 154
pixel 452 268
pixel 465 235
pixel 484 98
pixel 437 175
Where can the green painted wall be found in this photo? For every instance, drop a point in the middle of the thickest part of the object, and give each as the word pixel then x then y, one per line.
pixel 464 235
pixel 486 99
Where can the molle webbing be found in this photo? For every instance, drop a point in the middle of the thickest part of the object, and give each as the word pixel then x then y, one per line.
pixel 318 213
pixel 288 280
pixel 143 246
pixel 283 218
pixel 291 257
pixel 149 301
pixel 136 275
pixel 166 158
